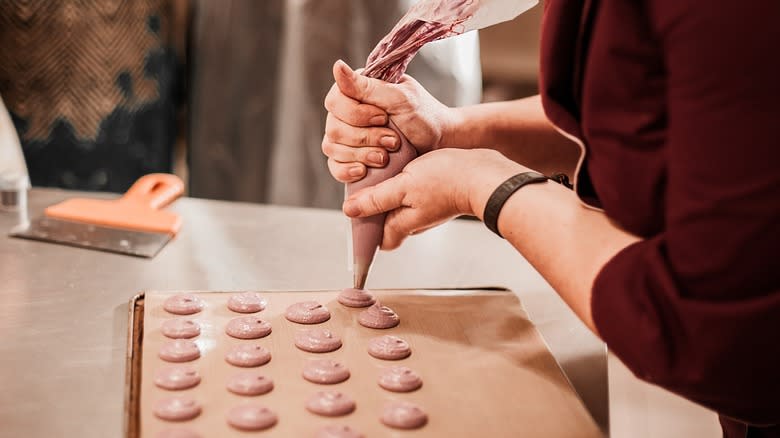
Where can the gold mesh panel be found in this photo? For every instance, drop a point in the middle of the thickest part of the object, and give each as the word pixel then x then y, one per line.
pixel 66 59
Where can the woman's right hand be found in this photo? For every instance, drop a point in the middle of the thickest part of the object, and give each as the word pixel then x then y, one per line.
pixel 356 132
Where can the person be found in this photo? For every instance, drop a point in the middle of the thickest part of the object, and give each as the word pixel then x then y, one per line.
pixel 666 247
pixel 259 72
pixel 93 88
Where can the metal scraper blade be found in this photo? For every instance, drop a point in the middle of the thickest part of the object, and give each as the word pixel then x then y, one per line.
pixel 134 243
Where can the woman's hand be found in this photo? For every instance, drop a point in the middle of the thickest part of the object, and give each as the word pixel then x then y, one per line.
pixel 356 132
pixel 433 189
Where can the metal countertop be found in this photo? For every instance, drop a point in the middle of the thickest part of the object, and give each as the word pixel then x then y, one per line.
pixel 63 310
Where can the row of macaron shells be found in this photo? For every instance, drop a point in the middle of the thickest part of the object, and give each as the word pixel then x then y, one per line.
pixel 256 417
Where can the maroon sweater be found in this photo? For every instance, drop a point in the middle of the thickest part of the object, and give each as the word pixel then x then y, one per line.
pixel 677 103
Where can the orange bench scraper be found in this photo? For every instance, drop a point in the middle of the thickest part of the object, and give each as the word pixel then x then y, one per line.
pixel 134 224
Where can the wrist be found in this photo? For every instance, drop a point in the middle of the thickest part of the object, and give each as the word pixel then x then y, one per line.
pixel 451 122
pixel 503 192
pixel 486 179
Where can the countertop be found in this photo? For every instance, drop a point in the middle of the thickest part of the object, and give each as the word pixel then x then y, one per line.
pixel 63 310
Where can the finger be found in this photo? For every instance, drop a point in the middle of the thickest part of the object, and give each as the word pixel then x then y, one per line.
pixel 422 229
pixel 372 157
pixel 353 112
pixel 404 222
pixel 398 226
pixel 364 89
pixel 346 134
pixel 346 172
pixel 385 196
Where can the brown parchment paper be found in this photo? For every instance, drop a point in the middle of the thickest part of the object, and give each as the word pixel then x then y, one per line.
pixel 486 370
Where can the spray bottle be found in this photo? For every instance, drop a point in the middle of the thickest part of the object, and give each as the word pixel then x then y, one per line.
pixel 14 180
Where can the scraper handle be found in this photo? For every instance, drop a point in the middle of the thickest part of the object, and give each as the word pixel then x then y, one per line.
pixel 155 190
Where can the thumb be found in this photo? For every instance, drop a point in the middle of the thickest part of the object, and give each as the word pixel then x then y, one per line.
pixel 362 88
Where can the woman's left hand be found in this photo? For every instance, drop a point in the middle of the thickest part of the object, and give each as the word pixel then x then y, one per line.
pixel 432 189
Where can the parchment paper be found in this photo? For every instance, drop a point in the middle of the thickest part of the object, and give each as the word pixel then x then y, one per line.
pixel 486 370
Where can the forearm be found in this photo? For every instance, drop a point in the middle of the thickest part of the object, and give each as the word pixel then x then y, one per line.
pixel 518 129
pixel 565 241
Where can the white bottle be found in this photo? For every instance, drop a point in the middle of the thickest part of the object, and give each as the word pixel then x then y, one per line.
pixel 14 179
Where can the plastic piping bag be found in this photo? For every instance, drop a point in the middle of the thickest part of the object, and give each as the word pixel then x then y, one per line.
pixel 426 21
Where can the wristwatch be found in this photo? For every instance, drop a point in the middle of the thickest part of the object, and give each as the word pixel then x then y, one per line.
pixel 499 196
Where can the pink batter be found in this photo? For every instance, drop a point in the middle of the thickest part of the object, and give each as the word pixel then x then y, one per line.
pixel 177 409
pixel 307 312
pixel 248 355
pixel 180 328
pixel 400 379
pixel 183 304
pixel 403 415
pixel 177 433
pixel 426 21
pixel 379 317
pixel 325 371
pixel 338 431
pixel 246 302
pixel 389 348
pixel 330 403
pixel 352 297
pixel 250 383
pixel 317 340
pixel 367 232
pixel 248 327
pixel 176 377
pixel 179 350
pixel 251 417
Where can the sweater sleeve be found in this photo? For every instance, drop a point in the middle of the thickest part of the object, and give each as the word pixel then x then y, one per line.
pixel 696 309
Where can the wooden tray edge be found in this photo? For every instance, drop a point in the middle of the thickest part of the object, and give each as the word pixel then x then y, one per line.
pixel 135 324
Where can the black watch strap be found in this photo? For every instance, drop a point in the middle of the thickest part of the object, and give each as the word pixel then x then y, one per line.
pixel 503 192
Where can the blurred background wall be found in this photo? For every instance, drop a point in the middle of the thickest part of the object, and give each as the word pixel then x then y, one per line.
pixel 510 57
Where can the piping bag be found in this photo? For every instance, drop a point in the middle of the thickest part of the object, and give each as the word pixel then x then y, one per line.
pixel 426 21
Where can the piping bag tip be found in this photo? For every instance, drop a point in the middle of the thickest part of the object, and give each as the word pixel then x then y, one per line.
pixel 360 275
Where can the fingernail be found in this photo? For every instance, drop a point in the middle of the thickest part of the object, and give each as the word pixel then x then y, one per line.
pixel 355 171
pixel 351 208
pixel 376 158
pixel 389 142
pixel 380 120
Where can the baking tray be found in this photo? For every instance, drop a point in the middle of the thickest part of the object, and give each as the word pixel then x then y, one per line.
pixel 502 380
